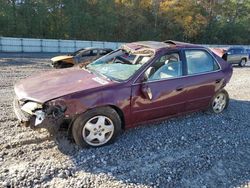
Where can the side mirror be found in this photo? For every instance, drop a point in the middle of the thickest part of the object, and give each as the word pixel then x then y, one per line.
pixel 146 91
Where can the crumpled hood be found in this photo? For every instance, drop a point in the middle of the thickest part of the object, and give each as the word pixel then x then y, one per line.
pixel 53 84
pixel 61 57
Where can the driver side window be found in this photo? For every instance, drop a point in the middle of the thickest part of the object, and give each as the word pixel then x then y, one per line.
pixel 167 66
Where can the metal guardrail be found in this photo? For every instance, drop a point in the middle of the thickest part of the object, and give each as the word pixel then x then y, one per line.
pixel 10 44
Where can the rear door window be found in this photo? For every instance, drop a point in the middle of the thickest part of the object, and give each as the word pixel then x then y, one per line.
pixel 200 61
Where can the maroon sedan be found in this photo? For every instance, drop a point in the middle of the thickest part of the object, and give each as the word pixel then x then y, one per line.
pixel 138 83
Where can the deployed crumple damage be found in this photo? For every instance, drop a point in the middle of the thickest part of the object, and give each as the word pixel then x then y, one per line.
pixel 46 107
pixel 121 64
pixel 30 107
pixel 34 108
pixel 36 113
pixel 55 84
pixel 138 49
pixel 42 103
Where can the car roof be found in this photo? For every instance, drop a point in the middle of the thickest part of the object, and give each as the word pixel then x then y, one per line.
pixel 155 45
pixel 179 44
pixel 150 44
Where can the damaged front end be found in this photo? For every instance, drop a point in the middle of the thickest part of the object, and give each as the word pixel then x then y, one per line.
pixel 49 115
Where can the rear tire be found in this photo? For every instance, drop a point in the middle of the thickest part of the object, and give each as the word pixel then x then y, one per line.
pixel 242 63
pixel 219 102
pixel 96 127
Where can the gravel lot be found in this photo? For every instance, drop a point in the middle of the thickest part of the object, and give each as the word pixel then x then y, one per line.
pixel 197 150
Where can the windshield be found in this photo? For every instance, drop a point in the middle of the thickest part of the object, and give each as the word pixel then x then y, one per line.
pixel 118 65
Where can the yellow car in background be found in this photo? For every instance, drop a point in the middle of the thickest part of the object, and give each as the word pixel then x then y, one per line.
pixel 83 56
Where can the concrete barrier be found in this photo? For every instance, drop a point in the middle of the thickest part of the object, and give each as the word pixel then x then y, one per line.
pixel 10 44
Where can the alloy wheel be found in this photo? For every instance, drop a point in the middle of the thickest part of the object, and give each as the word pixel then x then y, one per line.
pixel 219 103
pixel 98 130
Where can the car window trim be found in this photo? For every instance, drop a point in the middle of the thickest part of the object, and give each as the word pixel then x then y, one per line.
pixel 180 61
pixel 183 58
pixel 155 59
pixel 184 76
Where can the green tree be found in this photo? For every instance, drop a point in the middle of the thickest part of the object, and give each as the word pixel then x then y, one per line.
pixel 213 21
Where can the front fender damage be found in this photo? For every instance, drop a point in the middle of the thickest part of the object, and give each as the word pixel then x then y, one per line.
pixel 49 115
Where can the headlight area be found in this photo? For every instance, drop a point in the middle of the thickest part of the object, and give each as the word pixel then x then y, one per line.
pixel 48 115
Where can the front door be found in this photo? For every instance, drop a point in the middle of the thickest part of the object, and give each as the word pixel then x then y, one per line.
pixel 162 92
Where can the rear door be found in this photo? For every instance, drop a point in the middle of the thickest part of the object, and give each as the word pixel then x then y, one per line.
pixel 203 78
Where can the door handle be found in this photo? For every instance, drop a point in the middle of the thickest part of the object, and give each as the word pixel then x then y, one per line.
pixel 217 81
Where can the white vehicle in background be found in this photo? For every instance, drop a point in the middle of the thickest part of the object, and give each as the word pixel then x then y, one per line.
pixel 236 55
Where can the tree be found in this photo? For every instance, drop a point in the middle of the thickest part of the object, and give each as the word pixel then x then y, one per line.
pixel 213 21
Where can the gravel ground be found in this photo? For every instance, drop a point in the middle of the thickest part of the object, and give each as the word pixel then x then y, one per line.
pixel 197 150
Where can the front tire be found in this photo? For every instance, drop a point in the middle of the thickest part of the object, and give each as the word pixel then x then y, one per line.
pixel 219 102
pixel 242 63
pixel 96 127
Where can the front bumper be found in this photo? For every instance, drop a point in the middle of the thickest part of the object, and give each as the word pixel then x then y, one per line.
pixel 26 119
pixel 38 119
pixel 23 117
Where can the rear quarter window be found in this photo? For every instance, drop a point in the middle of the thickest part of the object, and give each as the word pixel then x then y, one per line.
pixel 200 61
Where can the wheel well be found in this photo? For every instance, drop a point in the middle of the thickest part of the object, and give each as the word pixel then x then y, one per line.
pixel 244 59
pixel 120 113
pixel 118 110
